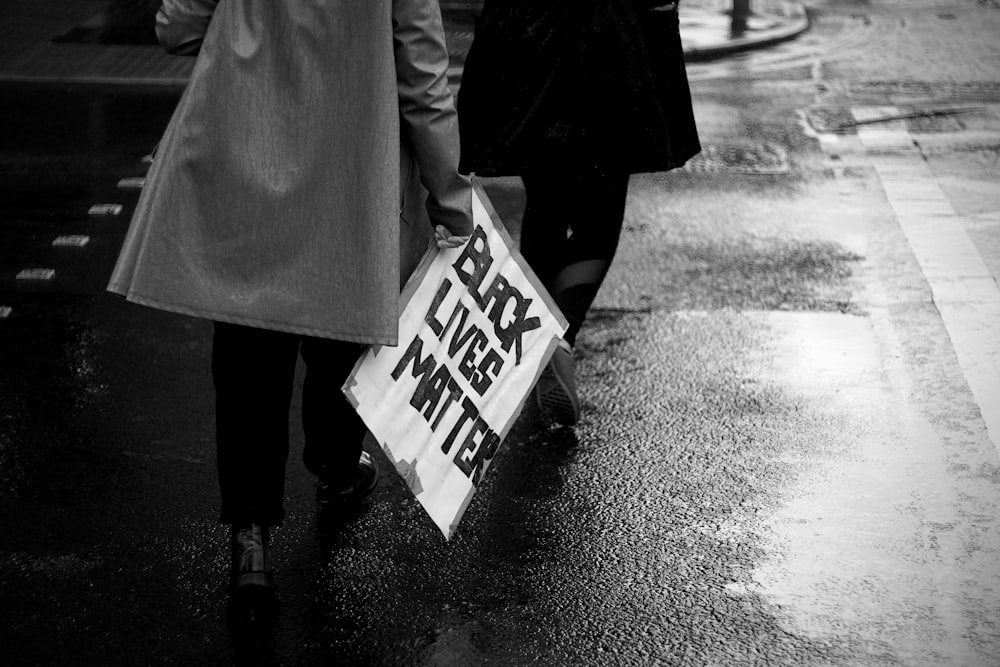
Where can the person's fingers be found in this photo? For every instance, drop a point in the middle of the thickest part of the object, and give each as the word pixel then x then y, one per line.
pixel 452 242
pixel 444 239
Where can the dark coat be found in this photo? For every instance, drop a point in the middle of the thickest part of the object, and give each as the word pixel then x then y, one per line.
pixel 587 83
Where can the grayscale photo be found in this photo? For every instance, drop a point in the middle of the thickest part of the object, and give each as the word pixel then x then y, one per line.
pixel 500 332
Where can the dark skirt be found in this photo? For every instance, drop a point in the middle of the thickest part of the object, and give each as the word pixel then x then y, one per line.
pixel 575 83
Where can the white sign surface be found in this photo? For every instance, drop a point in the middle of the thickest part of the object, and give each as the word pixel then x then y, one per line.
pixel 475 331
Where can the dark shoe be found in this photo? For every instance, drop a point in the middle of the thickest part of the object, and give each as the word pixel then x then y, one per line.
pixel 556 388
pixel 364 483
pixel 253 569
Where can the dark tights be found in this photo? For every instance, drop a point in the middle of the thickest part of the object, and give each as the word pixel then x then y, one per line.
pixel 570 233
pixel 254 371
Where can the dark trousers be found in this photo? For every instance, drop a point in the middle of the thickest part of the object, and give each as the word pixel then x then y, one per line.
pixel 253 371
pixel 572 223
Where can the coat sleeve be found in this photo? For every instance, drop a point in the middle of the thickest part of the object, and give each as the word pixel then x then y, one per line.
pixel 181 25
pixel 427 111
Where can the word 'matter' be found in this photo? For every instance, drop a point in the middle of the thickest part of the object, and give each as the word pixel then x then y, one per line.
pixel 478 335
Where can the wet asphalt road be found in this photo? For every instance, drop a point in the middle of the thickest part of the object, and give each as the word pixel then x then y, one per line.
pixel 784 458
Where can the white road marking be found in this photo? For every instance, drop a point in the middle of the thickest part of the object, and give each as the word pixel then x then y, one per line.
pixel 36 274
pixel 105 209
pixel 132 183
pixel 73 241
pixel 964 291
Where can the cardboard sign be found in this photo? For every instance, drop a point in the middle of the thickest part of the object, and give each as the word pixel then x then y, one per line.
pixel 475 332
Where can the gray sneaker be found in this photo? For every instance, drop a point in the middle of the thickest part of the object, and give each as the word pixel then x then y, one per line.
pixel 556 388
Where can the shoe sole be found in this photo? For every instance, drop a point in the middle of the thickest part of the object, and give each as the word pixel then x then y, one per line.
pixel 557 402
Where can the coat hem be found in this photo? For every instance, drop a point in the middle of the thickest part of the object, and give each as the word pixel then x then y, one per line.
pixel 501 168
pixel 388 341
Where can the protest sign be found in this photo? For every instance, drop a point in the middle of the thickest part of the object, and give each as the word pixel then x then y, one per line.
pixel 475 331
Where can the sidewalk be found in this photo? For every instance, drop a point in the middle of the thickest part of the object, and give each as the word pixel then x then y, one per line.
pixel 60 41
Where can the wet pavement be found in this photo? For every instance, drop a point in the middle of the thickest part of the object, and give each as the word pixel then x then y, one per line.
pixel 788 453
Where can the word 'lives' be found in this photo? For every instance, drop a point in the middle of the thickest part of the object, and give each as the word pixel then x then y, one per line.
pixel 477 355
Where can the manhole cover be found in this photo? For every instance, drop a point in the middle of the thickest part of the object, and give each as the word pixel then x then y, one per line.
pixel 740 159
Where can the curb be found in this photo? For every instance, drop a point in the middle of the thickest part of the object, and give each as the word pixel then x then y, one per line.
pixel 797 23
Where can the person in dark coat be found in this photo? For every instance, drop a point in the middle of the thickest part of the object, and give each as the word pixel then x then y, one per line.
pixel 574 96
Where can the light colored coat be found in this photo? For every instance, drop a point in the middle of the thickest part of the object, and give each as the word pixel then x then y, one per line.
pixel 284 193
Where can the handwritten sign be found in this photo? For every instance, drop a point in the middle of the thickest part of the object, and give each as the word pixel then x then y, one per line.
pixel 475 331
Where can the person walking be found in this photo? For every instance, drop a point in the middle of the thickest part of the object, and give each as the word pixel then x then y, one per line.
pixel 574 96
pixel 293 192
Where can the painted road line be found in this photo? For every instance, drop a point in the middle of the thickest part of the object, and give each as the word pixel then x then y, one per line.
pixel 105 210
pixel 36 274
pixel 132 183
pixel 72 241
pixel 965 293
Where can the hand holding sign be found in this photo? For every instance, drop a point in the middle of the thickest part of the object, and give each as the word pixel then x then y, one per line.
pixel 444 239
pixel 475 331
